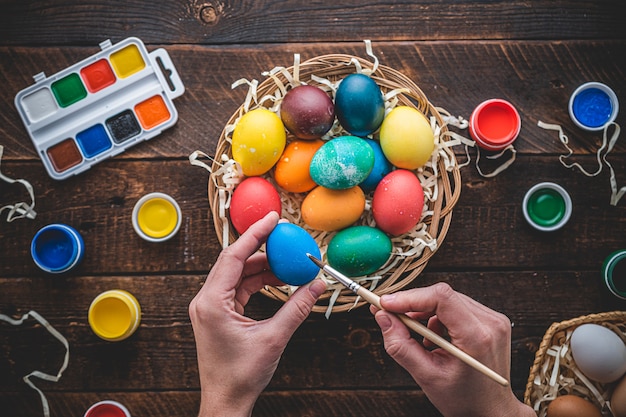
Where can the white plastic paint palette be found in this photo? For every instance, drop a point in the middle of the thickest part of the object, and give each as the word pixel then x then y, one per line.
pixel 100 106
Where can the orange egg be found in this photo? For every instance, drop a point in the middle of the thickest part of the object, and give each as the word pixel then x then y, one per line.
pixel 292 169
pixel 572 406
pixel 330 210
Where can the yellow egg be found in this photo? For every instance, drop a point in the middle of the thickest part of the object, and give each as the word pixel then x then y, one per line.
pixel 258 141
pixel 406 138
pixel 292 170
pixel 572 406
pixel 330 210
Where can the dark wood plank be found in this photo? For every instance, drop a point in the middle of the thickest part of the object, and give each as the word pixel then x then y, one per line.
pixel 538 78
pixel 316 403
pixel 324 353
pixel 460 53
pixel 216 22
pixel 488 228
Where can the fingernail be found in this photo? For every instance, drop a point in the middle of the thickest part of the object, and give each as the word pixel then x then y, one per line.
pixel 317 288
pixel 387 298
pixel 383 321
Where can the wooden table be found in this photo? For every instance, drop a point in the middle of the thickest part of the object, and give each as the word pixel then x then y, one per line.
pixel 532 53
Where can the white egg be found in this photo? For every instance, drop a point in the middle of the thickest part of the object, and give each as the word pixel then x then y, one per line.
pixel 599 353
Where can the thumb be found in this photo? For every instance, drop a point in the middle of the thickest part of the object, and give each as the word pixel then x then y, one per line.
pixel 297 308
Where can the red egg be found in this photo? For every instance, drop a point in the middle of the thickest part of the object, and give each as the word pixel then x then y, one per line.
pixel 253 198
pixel 398 202
pixel 307 112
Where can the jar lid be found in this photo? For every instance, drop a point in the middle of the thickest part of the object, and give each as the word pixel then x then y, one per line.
pixel 494 124
pixel 614 273
pixel 593 105
pixel 114 315
pixel 57 248
pixel 156 217
pixel 107 408
pixel 547 206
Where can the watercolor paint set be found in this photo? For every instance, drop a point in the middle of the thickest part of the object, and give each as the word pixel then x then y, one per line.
pixel 101 106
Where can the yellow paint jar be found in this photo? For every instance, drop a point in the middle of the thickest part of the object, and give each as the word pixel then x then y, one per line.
pixel 156 217
pixel 114 315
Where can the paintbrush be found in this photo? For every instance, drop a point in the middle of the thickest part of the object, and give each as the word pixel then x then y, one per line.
pixel 414 325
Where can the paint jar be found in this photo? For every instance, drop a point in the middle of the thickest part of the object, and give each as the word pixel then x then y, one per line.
pixel 57 248
pixel 593 105
pixel 156 217
pixel 547 206
pixel 114 315
pixel 494 124
pixel 614 273
pixel 107 408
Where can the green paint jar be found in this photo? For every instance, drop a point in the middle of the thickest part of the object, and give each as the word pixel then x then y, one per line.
pixel 547 206
pixel 614 273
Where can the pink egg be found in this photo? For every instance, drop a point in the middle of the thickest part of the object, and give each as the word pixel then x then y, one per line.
pixel 398 202
pixel 253 198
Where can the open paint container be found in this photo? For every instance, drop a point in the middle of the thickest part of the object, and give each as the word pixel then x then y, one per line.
pixel 156 217
pixel 547 206
pixel 114 315
pixel 494 124
pixel 107 408
pixel 57 248
pixel 614 273
pixel 100 106
pixel 593 105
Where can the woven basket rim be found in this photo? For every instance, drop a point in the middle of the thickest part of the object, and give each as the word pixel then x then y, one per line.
pixel 448 181
pixel 616 316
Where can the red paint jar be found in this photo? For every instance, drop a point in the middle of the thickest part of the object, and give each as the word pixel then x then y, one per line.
pixel 107 408
pixel 494 124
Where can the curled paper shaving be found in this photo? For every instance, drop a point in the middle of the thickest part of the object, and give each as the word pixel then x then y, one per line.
pixel 607 144
pixel 19 210
pixel 461 123
pixel 39 374
pixel 231 174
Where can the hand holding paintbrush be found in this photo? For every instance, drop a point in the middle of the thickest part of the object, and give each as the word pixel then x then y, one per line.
pixel 416 326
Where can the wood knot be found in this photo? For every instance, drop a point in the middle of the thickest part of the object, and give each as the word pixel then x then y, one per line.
pixel 208 14
pixel 359 338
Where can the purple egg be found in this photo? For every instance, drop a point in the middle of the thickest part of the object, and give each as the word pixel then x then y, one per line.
pixel 307 112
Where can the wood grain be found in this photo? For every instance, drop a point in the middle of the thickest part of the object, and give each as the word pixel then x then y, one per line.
pixel 238 22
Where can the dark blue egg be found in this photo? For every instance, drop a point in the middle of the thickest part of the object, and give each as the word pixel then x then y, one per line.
pixel 286 248
pixel 381 168
pixel 359 105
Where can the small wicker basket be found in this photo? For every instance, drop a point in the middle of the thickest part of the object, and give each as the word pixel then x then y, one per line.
pixel 333 68
pixel 549 379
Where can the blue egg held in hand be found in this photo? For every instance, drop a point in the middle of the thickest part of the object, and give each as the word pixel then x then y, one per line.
pixel 286 248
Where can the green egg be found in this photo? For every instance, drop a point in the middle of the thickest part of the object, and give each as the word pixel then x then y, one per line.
pixel 359 250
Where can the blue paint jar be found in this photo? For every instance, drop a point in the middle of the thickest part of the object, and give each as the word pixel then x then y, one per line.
pixel 593 105
pixel 57 248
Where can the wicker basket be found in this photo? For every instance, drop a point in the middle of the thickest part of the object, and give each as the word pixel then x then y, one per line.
pixel 334 68
pixel 539 391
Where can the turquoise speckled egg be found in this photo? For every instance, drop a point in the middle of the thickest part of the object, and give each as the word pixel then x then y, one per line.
pixel 286 248
pixel 342 163
pixel 359 105
pixel 359 250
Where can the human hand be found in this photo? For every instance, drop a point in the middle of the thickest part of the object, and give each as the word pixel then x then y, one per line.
pixel 237 355
pixel 452 386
